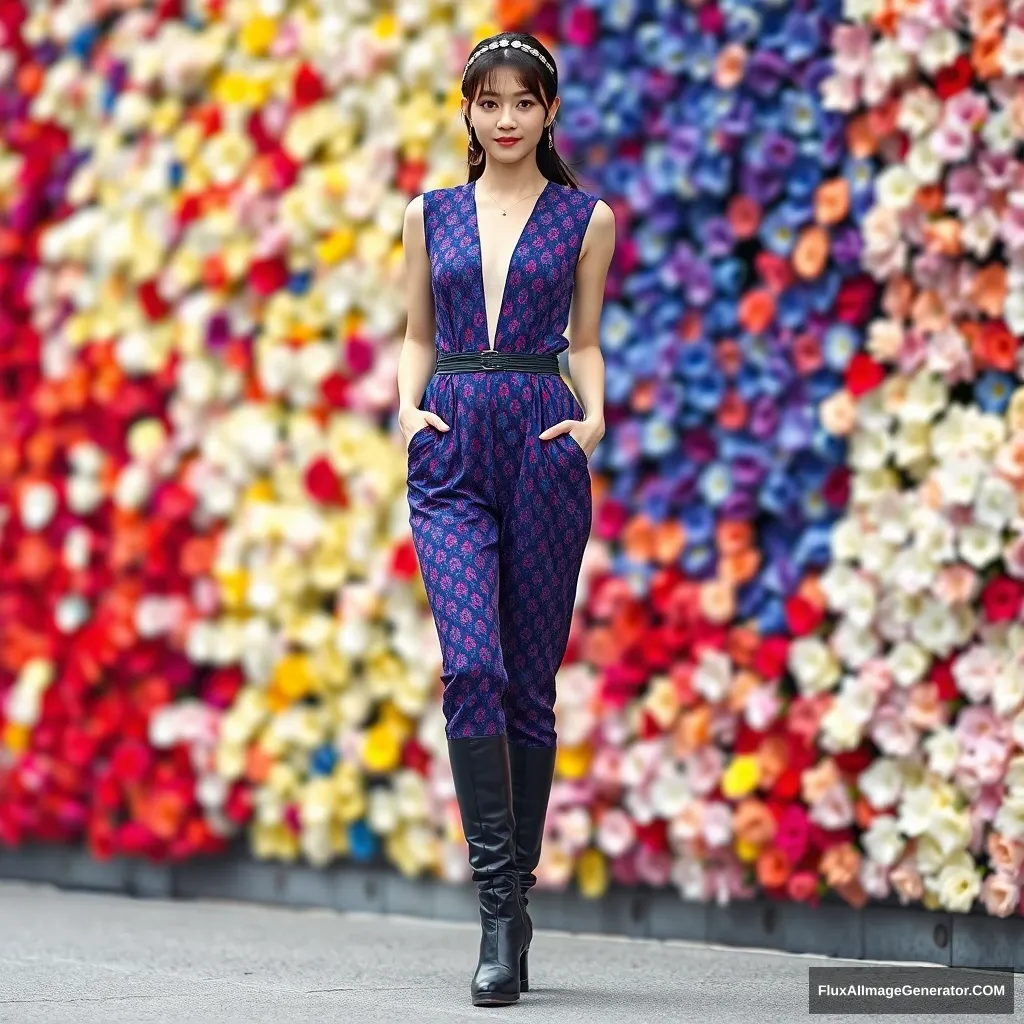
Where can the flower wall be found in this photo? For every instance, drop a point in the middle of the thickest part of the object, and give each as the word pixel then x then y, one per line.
pixel 797 664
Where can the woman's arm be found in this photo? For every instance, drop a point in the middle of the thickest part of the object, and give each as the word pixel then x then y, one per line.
pixel 418 355
pixel 586 364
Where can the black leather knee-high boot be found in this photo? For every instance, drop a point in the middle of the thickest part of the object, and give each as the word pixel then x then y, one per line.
pixel 533 769
pixel 480 769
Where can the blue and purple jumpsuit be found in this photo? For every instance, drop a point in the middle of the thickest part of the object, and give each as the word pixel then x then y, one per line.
pixel 499 518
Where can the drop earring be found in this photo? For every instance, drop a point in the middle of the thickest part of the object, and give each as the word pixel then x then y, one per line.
pixel 551 140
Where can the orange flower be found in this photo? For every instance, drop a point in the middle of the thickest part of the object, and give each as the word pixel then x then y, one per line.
pixel 729 356
pixel 739 693
pixel 996 346
pixel 669 541
pixel 601 646
pixel 773 868
pixel 988 289
pixel 643 396
pixel 733 536
pixel 732 413
pixel 744 217
pixel 929 311
pixel 832 201
pixel 864 813
pixel 752 822
pixel 773 754
pixel 840 864
pixel 757 310
pixel 898 297
pixel 860 139
pixel 741 567
pixel 730 65
pixel 931 199
pixel 987 57
pixel 943 236
pixel 717 600
pixel 853 892
pixel 817 781
pixel 693 730
pixel 638 539
pixel 811 252
pixel 512 14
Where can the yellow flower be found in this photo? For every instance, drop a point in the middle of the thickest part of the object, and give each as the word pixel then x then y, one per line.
pixel 741 777
pixel 592 874
pixel 233 587
pixel 382 749
pixel 337 246
pixel 15 737
pixel 1015 412
pixel 257 34
pixel 747 851
pixel 294 677
pixel 386 27
pixel 573 762
pixel 662 703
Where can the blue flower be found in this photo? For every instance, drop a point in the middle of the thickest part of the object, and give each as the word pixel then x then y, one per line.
pixel 362 842
pixel 715 484
pixel 323 760
pixel 841 344
pixel 993 391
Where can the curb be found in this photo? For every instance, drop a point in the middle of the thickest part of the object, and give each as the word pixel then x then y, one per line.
pixel 878 932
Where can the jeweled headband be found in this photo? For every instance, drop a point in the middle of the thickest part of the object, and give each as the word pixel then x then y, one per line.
pixel 516 44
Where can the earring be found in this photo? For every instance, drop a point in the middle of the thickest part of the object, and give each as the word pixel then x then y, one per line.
pixel 551 140
pixel 476 151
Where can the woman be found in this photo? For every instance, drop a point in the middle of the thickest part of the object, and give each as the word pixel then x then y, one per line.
pixel 499 489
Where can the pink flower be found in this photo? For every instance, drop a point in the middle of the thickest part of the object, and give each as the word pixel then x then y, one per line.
pixel 956 584
pixel 725 883
pixel 925 709
pixel 1011 227
pixel 835 809
pixel 1013 558
pixel 966 111
pixel 716 823
pixel 906 880
pixel 704 769
pixel 976 671
pixel 851 49
pixel 875 878
pixel 876 676
pixel 998 170
pixel 892 733
pixel 952 142
pixel 654 867
pixel 1000 895
pixel 793 833
pixel 762 707
pixel 965 193
pixel 1006 855
pixel 615 832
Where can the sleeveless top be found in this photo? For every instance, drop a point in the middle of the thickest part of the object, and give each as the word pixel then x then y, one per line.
pixel 534 310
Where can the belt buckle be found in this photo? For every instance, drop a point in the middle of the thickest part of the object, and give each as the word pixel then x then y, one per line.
pixel 488 359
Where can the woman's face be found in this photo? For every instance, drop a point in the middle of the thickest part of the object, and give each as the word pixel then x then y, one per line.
pixel 505 110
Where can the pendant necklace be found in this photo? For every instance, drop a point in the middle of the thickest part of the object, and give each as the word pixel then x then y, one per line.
pixel 504 212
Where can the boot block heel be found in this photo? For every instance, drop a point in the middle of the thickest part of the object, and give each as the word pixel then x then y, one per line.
pixel 524 972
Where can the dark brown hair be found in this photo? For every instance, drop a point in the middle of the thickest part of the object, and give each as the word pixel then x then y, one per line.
pixel 532 75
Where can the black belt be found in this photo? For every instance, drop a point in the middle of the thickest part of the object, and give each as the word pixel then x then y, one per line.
pixel 488 359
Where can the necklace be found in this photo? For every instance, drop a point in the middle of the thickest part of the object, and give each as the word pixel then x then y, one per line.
pixel 504 212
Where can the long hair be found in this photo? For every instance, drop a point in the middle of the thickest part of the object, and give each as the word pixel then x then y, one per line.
pixel 532 75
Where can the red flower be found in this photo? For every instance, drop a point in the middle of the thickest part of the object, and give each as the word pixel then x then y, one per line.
pixel 836 489
pixel 153 304
pixel 308 87
pixel 359 355
pixel 268 276
pixel 653 836
pixel 1002 599
pixel 863 374
pixel 324 484
pixel 955 78
pixel 335 390
pixel 404 564
pixel 942 676
pixel 612 516
pixel 802 616
pixel 855 300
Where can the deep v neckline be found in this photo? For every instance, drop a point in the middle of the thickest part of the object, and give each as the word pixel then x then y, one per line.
pixel 511 262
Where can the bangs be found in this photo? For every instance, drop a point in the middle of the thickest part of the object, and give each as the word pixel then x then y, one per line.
pixel 483 75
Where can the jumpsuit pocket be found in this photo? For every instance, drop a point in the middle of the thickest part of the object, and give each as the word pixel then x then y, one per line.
pixel 416 438
pixel 573 443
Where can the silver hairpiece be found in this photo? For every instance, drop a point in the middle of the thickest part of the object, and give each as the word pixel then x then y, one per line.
pixel 516 44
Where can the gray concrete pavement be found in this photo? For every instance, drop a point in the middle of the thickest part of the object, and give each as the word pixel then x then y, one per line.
pixel 85 958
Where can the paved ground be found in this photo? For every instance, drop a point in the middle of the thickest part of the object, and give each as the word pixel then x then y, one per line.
pixel 83 958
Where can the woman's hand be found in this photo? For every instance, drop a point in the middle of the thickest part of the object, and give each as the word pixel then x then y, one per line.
pixel 411 421
pixel 586 433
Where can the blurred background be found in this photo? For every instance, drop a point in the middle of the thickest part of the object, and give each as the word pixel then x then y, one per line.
pixel 796 665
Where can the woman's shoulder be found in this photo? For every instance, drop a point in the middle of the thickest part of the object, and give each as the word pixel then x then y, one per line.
pixel 577 196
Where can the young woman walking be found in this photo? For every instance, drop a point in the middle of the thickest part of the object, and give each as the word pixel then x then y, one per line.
pixel 498 270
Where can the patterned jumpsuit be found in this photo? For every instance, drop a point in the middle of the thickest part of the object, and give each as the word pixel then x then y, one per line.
pixel 499 518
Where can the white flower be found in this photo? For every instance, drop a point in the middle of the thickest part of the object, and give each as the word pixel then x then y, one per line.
pixel 913 570
pixel 916 810
pixel 958 887
pixel 869 451
pixel 842 726
pixel 853 645
pixel 959 477
pixel 908 663
pixel 133 487
pixel 979 547
pixel 814 665
pixel 713 675
pixel 670 791
pixel 38 505
pixel 882 840
pixel 942 748
pixel 889 61
pixel 998 132
pixel 923 163
pixel 951 829
pixel 1008 690
pixel 896 187
pixel 84 494
pixel 935 627
pixel 919 111
pixel 1009 819
pixel 881 783
pixel 847 540
pixel 940 49
pixel 979 234
pixel 996 503
pixel 976 671
pixel 926 396
pixel 836 583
